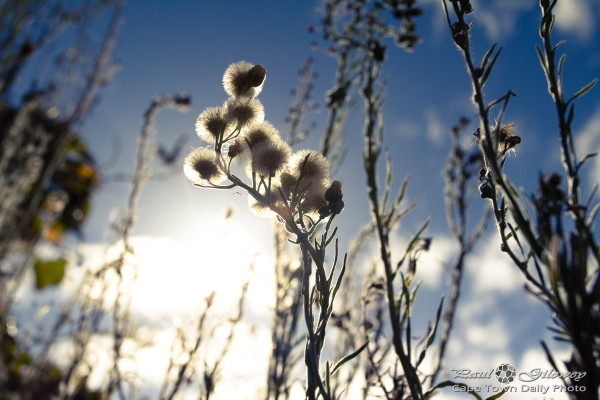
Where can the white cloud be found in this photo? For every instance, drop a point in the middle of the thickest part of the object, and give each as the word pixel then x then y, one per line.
pixel 430 266
pixel 431 263
pixel 588 141
pixel 173 280
pixel 428 124
pixel 500 17
pixel 436 131
pixel 492 270
pixel 576 16
pixel 406 127
pixel 492 336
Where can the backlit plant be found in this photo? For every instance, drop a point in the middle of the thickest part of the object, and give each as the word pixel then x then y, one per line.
pixel 294 188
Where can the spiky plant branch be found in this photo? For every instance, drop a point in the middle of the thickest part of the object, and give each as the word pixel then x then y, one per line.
pixel 561 260
pixel 121 306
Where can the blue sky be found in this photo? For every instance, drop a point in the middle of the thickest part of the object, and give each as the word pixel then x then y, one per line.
pixel 185 46
pixel 169 47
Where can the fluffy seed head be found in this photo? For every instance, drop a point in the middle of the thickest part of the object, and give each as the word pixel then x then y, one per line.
pixel 201 167
pixel 270 157
pixel 312 166
pixel 259 208
pixel 261 132
pixel 507 138
pixel 244 111
pixel 313 201
pixel 210 124
pixel 505 131
pixel 244 79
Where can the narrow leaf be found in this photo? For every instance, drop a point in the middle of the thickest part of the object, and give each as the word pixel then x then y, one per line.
pixel 432 334
pixel 487 56
pixel 388 181
pixel 592 215
pixel 487 71
pixel 327 377
pixel 570 113
pixel 587 157
pixel 338 282
pixel 559 44
pixel 584 90
pixel 559 68
pixel 349 357
pixel 542 59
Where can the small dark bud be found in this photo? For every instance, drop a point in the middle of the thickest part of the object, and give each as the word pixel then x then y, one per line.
pixel 400 14
pixel 459 34
pixel 485 191
pixel 426 244
pixel 467 7
pixel 256 75
pixel 482 173
pixel 378 52
pixel 183 99
pixel 414 12
pixel 27 49
pixel 553 180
